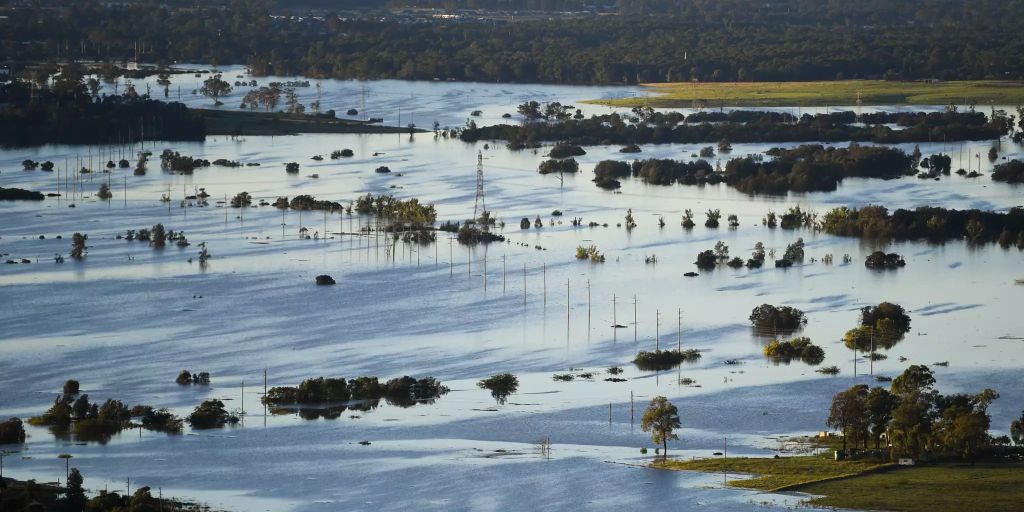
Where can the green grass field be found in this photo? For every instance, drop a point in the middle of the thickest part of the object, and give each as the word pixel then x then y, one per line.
pixel 870 485
pixel 795 94
pixel 989 487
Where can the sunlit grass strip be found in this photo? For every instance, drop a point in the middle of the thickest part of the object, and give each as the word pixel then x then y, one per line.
pixel 785 94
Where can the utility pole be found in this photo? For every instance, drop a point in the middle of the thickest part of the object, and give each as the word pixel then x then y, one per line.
pixel 588 307
pixel 544 269
pixel 479 205
pixel 524 284
pixel 657 330
pixel 679 331
pixel 634 318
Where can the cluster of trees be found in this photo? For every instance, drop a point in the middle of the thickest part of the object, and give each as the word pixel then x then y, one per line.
pixel 797 348
pixel 157 237
pixel 806 168
pixel 913 39
pixel 12 431
pixel 308 202
pixel 30 495
pixel 212 414
pixel 650 127
pixel 385 206
pixel 404 391
pixel 1009 172
pixel 67 113
pixel 20 194
pixel 589 253
pixel 73 413
pixel 813 167
pixel 930 223
pixel 783 319
pixel 176 162
pixel 881 326
pixel 880 260
pixel 186 378
pixel 914 418
pixel 657 360
pixel 552 166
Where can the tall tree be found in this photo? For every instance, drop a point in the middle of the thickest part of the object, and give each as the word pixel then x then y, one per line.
pixel 911 429
pixel 76 494
pixel 848 414
pixel 214 87
pixel 914 379
pixel 661 419
pixel 880 403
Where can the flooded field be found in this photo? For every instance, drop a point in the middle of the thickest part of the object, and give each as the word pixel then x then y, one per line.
pixel 126 319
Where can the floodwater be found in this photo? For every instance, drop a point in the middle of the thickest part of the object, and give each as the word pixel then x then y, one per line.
pixel 128 318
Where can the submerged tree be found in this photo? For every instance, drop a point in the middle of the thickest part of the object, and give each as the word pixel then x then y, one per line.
pixel 215 87
pixel 78 248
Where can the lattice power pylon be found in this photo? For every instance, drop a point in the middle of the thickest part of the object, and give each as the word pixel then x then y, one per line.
pixel 479 206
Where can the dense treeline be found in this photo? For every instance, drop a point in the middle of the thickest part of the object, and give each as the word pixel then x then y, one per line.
pixel 927 223
pixel 67 114
pixel 916 420
pixel 811 168
pixel 806 168
pixel 405 391
pixel 693 39
pixel 649 127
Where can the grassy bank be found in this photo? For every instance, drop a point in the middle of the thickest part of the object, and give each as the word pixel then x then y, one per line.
pixel 240 122
pixel 794 94
pixel 777 474
pixel 872 485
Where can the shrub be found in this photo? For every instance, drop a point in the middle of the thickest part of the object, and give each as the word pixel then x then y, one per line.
pixel 1009 172
pixel 501 386
pixel 664 359
pixel 797 348
pixel 553 166
pixel 828 370
pixel 211 414
pixel 713 218
pixel 880 260
pixel 241 199
pixel 589 253
pixel 12 431
pixel 78 247
pixel 706 260
pixel 566 151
